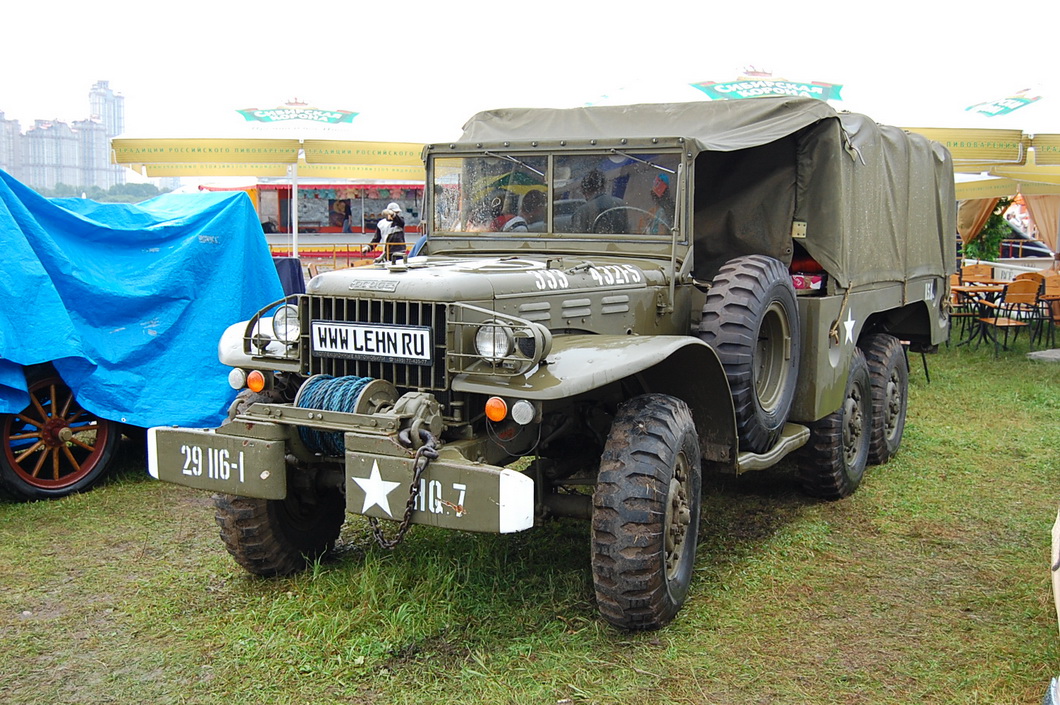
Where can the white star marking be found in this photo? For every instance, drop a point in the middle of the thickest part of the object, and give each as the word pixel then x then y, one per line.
pixel 376 490
pixel 849 325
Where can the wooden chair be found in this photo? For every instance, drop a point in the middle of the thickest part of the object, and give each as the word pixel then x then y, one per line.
pixel 1017 309
pixel 971 271
pixel 1033 276
pixel 1050 300
pixel 962 308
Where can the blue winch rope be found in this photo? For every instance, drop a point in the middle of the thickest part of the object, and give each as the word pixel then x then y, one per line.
pixel 329 393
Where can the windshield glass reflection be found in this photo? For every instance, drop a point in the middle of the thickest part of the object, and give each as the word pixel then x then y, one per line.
pixel 603 194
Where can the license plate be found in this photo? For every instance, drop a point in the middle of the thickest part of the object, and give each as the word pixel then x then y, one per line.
pixel 368 341
pixel 201 458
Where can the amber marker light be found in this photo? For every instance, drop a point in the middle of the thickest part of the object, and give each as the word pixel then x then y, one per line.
pixel 496 409
pixel 255 381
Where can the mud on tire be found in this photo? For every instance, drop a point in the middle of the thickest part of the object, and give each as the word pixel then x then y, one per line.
pixel 832 463
pixel 646 508
pixel 279 537
pixel 751 320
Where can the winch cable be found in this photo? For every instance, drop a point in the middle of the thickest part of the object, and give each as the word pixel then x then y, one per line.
pixel 328 393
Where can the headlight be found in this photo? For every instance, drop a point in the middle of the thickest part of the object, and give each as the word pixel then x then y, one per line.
pixel 285 324
pixel 494 341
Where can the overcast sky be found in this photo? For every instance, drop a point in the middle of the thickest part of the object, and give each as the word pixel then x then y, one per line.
pixel 416 70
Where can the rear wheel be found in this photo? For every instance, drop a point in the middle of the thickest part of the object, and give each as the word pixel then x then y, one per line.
pixel 751 320
pixel 832 463
pixel 889 379
pixel 279 537
pixel 53 447
pixel 646 508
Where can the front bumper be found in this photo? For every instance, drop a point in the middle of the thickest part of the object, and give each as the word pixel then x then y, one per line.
pixel 249 457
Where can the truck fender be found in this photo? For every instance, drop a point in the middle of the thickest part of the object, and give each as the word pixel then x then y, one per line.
pixel 230 347
pixel 678 365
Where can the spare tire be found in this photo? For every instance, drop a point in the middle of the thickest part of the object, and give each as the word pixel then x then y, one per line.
pixel 752 322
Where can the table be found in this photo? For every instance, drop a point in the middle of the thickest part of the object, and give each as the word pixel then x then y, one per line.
pixel 978 295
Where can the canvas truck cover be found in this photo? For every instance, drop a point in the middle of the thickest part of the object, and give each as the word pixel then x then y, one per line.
pixel 878 203
pixel 129 301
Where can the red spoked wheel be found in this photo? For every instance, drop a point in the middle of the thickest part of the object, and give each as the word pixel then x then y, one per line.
pixel 53 447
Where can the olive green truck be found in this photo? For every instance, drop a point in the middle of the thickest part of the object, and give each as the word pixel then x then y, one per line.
pixel 615 300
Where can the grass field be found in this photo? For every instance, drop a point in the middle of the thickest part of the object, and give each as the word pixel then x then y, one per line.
pixel 930 585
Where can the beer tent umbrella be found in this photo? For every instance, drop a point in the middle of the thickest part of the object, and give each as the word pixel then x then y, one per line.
pixel 293 141
pixel 265 157
pixel 996 163
pixel 1006 146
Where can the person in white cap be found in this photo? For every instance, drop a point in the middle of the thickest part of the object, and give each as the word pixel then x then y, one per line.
pixel 390 231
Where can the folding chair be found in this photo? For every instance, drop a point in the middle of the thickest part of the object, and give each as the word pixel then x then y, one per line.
pixel 1017 309
pixel 962 309
pixel 1050 300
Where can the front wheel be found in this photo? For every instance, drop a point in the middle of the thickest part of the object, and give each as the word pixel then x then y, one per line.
pixel 280 536
pixel 646 507
pixel 53 447
pixel 833 462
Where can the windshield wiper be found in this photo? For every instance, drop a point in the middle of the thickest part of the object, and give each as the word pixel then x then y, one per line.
pixel 653 165
pixel 513 159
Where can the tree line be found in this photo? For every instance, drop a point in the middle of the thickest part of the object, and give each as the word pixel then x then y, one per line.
pixel 119 193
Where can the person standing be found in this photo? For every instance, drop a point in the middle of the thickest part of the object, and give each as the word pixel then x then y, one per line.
pixel 389 231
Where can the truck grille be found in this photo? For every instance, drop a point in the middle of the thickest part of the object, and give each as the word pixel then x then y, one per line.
pixel 404 376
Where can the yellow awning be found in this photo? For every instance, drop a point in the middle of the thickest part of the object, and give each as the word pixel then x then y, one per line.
pixel 986 188
pixel 324 159
pixel 348 152
pixel 1046 149
pixel 204 151
pixel 975 145
pixel 362 171
pixel 1035 174
pixel 207 169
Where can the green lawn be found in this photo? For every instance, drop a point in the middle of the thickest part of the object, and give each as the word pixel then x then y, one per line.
pixel 930 585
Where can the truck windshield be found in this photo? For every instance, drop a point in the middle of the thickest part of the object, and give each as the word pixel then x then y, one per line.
pixel 590 193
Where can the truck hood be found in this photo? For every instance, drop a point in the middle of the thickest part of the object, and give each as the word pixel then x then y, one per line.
pixel 445 279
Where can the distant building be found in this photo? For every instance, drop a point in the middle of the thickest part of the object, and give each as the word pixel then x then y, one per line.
pixel 53 152
pixel 108 107
pixel 10 146
pixel 51 155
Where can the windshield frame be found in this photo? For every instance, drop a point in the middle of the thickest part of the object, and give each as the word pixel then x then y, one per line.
pixel 671 154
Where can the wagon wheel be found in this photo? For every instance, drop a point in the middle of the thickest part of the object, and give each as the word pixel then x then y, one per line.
pixel 53 447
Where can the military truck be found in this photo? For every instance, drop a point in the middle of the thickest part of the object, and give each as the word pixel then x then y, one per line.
pixel 615 300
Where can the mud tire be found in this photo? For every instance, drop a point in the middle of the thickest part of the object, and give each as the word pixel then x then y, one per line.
pixel 832 464
pixel 279 537
pixel 751 321
pixel 57 467
pixel 889 377
pixel 646 508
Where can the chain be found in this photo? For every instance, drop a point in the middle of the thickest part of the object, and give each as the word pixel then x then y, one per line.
pixel 424 455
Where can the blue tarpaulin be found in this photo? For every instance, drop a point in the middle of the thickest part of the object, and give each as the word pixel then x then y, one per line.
pixel 129 301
